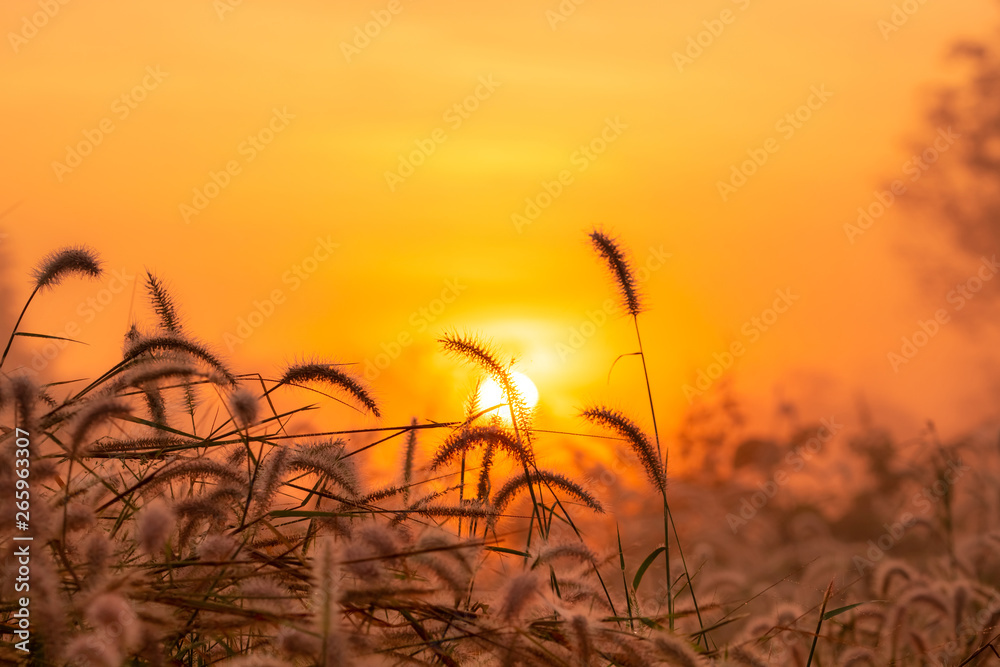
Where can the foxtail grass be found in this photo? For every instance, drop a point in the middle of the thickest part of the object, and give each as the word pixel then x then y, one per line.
pixel 620 266
pixel 78 260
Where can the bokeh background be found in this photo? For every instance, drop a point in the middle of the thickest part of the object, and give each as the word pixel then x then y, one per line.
pixel 121 120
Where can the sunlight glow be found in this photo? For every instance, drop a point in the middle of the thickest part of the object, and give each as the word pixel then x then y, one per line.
pixel 492 394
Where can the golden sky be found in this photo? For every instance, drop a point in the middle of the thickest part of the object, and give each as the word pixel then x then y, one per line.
pixel 381 187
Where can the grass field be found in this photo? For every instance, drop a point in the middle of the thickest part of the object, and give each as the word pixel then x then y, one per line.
pixel 181 515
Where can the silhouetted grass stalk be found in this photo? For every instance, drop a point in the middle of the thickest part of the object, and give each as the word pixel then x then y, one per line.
pixel 621 270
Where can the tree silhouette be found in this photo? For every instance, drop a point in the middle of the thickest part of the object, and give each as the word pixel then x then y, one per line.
pixel 961 197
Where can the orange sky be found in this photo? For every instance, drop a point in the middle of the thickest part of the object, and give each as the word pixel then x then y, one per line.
pixel 197 86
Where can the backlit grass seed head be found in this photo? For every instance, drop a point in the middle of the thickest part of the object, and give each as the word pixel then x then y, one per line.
pixel 296 643
pixel 91 650
pixel 519 592
pixel 472 401
pixel 98 552
pixel 636 439
pixel 328 373
pixel 155 403
pixel 469 509
pixel 892 571
pixel 582 592
pixel 786 615
pixel 452 578
pixel 913 602
pixel 465 439
pixel 156 371
pixel 212 506
pixel 677 650
pixel 628 653
pixel 265 595
pixel 155 523
pixel 481 353
pixel 78 517
pixel 48 613
pixel 747 656
pixel 163 304
pixel 113 617
pixel 580 628
pixel 142 446
pixel 411 448
pixel 25 396
pixel 520 482
pixel 57 265
pixel 484 485
pixel 326 607
pixel 380 494
pixel 216 548
pixel 243 403
pixel 574 550
pixel 93 414
pixel 270 478
pixel 857 656
pixel 328 459
pixel 372 548
pixel 621 270
pixel 196 468
pixel 446 562
pixel 170 343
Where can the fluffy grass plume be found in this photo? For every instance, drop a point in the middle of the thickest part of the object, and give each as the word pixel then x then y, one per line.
pixel 50 272
pixel 620 267
pixel 411 448
pixel 482 354
pixel 271 544
pixel 636 439
pixel 508 491
pixel 79 260
pixel 328 373
pixel 93 414
pixel 163 304
pixel 146 345
pixel 461 441
pixel 243 404
pixel 155 524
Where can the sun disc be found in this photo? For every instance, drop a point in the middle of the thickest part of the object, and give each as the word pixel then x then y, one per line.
pixel 492 394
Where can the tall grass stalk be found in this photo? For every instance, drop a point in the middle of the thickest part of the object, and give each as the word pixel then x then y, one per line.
pixel 620 267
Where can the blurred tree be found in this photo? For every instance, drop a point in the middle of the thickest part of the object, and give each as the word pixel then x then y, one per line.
pixel 961 197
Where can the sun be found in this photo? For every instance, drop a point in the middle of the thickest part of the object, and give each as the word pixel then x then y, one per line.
pixel 492 394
